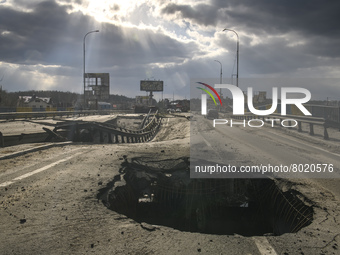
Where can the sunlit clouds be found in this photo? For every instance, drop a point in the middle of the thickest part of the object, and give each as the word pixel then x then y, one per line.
pixel 41 42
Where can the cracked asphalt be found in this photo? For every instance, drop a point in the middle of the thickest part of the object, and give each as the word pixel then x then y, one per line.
pixel 49 205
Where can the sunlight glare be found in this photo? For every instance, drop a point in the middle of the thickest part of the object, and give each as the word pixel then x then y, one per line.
pixel 108 10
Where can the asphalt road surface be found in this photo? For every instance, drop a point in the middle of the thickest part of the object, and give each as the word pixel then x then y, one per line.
pixel 49 204
pixel 245 146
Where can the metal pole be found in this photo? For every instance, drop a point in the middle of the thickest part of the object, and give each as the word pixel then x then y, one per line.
pixel 220 76
pixel 220 81
pixel 94 31
pixel 237 53
pixel 2 143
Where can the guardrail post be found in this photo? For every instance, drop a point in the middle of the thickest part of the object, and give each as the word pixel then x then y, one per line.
pixel 2 143
pixel 290 124
pixel 77 132
pixel 311 129
pixel 101 138
pixel 325 133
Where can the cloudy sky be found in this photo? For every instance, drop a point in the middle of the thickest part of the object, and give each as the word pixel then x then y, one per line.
pixel 41 43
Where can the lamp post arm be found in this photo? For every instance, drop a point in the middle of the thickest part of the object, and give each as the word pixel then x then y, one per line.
pixel 237 52
pixel 94 31
pixel 220 71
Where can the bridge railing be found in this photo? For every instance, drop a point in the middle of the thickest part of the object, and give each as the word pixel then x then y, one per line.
pixel 311 121
pixel 112 134
pixel 53 114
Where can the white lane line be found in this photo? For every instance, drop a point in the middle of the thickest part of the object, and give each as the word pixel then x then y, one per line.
pixel 166 122
pixel 206 142
pixel 303 143
pixel 263 245
pixel 4 184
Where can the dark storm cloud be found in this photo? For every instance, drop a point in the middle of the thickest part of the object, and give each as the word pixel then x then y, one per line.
pixel 49 35
pixel 307 16
pixel 317 21
pixel 47 41
pixel 139 47
pixel 202 14
pixel 30 37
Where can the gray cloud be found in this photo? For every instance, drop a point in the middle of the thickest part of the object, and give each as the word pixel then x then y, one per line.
pixel 276 38
pixel 316 21
pixel 202 14
pixel 307 16
pixel 38 32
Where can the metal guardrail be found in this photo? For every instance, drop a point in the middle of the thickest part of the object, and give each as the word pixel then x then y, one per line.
pixel 53 114
pixel 72 131
pixel 113 134
pixel 300 119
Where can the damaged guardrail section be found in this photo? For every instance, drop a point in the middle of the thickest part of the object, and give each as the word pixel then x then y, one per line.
pixel 106 133
pixel 85 131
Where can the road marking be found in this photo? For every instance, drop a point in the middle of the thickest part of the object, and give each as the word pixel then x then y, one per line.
pixel 206 142
pixel 263 245
pixel 167 122
pixel 4 184
pixel 303 142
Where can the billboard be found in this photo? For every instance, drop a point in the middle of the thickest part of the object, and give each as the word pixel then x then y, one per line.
pixel 151 85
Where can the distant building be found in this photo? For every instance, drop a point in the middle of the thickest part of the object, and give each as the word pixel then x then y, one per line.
pixel 35 102
pixel 142 100
pixel 97 88
pixel 104 106
pixel 183 105
pixel 261 97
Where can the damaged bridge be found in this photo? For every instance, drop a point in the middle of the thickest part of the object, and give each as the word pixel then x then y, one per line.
pixel 105 132
pixel 90 131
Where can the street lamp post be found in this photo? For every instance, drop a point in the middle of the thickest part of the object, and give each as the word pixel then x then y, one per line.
pixel 94 31
pixel 220 75
pixel 236 53
pixel 220 79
